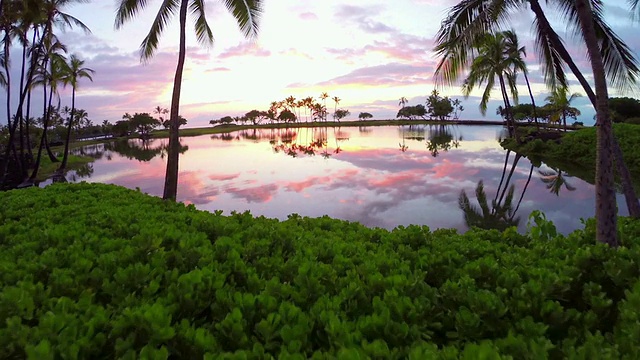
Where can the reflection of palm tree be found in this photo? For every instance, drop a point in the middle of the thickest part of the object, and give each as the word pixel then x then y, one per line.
pixel 555 179
pixel 499 216
pixel 440 139
pixel 403 146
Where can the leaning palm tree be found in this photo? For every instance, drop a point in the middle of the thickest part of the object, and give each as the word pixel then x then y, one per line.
pixel 72 72
pixel 246 14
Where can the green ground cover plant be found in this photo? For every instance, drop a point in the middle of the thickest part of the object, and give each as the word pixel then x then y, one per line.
pixel 101 272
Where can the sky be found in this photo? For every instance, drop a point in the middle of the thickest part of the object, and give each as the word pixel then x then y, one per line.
pixel 367 53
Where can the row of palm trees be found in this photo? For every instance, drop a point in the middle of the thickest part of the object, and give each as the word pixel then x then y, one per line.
pixel 314 110
pixel 472 38
pixel 32 26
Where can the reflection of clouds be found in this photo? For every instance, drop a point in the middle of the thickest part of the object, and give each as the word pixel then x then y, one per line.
pixel 299 186
pixel 259 194
pixel 377 187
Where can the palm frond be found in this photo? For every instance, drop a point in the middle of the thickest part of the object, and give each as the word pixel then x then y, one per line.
pixel 457 36
pixel 128 10
pixel 202 29
pixel 548 55
pixel 70 21
pixel 150 43
pixel 621 66
pixel 247 14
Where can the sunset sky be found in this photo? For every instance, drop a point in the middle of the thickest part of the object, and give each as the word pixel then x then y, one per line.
pixel 368 53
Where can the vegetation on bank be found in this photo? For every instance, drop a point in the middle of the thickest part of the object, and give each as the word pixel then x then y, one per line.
pixel 576 150
pixel 131 275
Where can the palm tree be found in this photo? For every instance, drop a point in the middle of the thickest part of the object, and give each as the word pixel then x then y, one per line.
pixel 337 101
pixel 246 14
pixel 495 59
pixel 606 219
pixel 555 179
pixel 561 104
pixel 472 18
pixel 519 54
pixel 615 61
pixel 402 102
pixel 73 71
pixel 52 78
pixel 324 97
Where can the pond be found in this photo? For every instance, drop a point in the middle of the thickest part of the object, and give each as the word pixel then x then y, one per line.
pixel 379 176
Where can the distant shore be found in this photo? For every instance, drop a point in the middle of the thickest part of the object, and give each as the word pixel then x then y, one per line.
pixel 226 128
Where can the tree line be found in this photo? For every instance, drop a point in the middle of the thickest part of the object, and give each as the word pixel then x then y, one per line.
pixel 291 110
pixel 45 66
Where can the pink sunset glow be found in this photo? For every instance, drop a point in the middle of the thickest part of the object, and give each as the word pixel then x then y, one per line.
pixel 368 54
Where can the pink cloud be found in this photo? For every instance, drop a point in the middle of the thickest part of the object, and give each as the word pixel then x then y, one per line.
pixel 308 16
pixel 245 49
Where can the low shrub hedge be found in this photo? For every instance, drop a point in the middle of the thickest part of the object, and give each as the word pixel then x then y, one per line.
pixel 91 271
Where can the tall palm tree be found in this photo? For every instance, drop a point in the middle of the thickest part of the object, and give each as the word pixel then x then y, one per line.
pixel 73 71
pixel 246 14
pixel 402 102
pixel 519 54
pixel 495 59
pixel 606 219
pixel 616 62
pixel 324 96
pixel 52 79
pixel 561 104
pixel 336 100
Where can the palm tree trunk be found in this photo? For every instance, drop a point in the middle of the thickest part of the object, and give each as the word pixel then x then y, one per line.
pixel 52 157
pixel 27 127
pixel 633 203
pixel 504 172
pixel 526 185
pixel 516 159
pixel 171 176
pixel 533 102
pixel 606 217
pixel 65 157
pixel 507 104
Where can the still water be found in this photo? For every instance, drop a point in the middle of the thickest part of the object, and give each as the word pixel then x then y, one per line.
pixel 378 176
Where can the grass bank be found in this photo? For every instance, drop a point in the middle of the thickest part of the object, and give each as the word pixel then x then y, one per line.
pixel 100 271
pixel 575 151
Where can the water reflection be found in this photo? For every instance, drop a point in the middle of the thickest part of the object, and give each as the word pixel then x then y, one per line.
pixel 556 179
pixel 502 213
pixel 438 138
pixel 355 176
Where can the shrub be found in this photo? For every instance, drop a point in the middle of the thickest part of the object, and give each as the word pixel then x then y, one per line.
pixel 99 271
